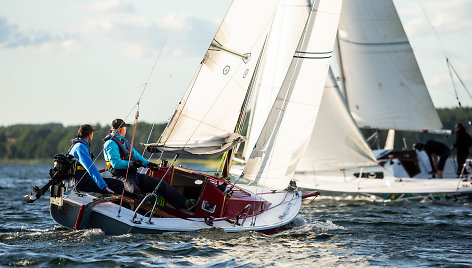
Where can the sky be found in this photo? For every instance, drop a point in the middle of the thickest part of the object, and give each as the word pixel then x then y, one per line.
pixel 76 62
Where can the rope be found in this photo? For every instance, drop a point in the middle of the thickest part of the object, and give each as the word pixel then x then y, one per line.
pixel 449 64
pixel 129 159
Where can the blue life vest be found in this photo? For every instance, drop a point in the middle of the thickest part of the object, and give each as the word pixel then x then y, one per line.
pixel 125 146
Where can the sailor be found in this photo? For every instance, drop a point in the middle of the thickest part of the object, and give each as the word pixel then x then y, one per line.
pixel 87 177
pixel 436 149
pixel 117 152
pixel 462 144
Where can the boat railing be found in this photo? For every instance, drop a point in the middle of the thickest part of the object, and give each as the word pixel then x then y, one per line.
pixel 139 206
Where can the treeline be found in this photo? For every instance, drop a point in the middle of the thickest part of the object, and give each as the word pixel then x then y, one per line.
pixel 45 140
pixel 449 117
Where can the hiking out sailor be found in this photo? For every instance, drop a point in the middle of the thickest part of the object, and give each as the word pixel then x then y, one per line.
pixel 436 149
pixel 117 150
pixel 87 177
pixel 462 144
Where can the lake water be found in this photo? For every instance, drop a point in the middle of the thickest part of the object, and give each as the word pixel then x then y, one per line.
pixel 328 232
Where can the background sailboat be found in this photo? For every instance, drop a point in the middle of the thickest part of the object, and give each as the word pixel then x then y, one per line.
pixel 382 88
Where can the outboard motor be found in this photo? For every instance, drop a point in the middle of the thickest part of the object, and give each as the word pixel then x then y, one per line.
pixel 63 170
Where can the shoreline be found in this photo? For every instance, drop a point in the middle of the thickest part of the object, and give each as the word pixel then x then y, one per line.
pixel 205 162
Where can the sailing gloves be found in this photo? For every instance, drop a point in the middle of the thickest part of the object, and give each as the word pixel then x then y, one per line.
pixel 152 166
pixel 137 163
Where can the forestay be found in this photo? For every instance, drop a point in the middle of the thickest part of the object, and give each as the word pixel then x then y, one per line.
pixel 336 142
pixel 384 85
pixel 287 130
pixel 285 33
pixel 205 119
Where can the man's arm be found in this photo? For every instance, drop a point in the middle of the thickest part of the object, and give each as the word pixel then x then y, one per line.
pixel 137 156
pixel 83 156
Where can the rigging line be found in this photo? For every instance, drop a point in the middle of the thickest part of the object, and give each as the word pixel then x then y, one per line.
pixel 230 79
pixel 458 77
pixel 453 84
pixel 129 158
pixel 160 51
pixel 445 56
pixel 432 27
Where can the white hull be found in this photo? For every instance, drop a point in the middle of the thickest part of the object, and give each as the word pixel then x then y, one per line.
pixel 285 207
pixel 388 187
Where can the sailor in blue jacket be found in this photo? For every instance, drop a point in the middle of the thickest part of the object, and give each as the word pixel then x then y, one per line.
pixel 116 152
pixel 87 177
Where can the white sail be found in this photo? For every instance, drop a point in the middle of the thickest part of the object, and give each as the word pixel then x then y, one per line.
pixel 336 142
pixel 205 119
pixel 288 128
pixel 285 33
pixel 384 85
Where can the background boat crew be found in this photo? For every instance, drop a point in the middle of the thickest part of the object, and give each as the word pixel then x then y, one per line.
pixel 87 177
pixel 436 149
pixel 462 144
pixel 116 153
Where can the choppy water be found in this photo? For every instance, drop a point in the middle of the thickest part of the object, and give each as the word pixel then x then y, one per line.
pixel 329 232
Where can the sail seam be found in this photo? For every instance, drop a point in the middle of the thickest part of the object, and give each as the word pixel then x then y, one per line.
pixel 376 44
pixel 303 57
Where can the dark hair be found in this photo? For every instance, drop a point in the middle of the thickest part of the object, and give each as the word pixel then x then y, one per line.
pixel 84 131
pixel 460 126
pixel 418 146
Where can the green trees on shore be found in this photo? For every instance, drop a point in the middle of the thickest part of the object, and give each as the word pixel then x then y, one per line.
pixel 43 141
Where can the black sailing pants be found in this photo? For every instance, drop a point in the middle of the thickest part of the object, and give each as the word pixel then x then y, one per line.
pixel 141 184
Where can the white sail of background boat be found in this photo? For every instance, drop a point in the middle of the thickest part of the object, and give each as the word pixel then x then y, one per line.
pixel 206 122
pixel 384 89
pixel 379 73
pixel 336 141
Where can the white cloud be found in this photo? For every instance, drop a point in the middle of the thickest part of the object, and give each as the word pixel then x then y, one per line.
pixel 111 6
pixel 144 37
pixel 451 16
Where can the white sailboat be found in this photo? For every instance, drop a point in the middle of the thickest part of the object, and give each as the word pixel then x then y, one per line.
pixel 382 88
pixel 207 121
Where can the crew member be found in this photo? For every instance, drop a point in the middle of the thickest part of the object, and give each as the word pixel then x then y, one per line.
pixel 436 149
pixel 462 144
pixel 87 177
pixel 117 150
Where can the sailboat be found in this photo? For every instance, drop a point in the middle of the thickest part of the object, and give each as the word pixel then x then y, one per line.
pixel 381 87
pixel 208 121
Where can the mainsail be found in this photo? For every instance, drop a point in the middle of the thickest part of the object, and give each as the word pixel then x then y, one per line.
pixel 205 119
pixel 382 80
pixel 336 141
pixel 288 127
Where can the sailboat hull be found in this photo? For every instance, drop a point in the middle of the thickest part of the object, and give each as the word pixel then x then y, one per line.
pixel 105 216
pixel 386 188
